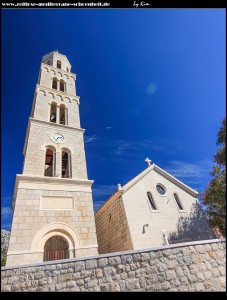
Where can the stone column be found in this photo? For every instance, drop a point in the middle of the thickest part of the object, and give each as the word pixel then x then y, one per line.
pixel 58 115
pixel 58 164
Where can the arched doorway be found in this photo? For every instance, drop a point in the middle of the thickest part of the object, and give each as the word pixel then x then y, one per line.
pixel 56 248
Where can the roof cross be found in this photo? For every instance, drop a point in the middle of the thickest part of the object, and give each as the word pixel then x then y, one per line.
pixel 148 161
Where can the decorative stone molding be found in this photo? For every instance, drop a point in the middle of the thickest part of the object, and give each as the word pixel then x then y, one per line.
pixel 56 125
pixel 56 70
pixel 56 93
pixel 57 228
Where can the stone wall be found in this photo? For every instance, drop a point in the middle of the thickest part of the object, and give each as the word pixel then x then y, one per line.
pixel 194 266
pixel 33 225
pixel 112 227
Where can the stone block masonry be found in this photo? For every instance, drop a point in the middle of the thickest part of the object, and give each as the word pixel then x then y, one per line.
pixel 194 266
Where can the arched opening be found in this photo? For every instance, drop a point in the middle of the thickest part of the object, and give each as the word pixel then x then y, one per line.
pixel 62 114
pixel 58 64
pixel 62 85
pixel 178 202
pixel 48 62
pixel 66 164
pixel 151 201
pixel 60 229
pixel 53 112
pixel 55 84
pixel 56 248
pixel 67 69
pixel 49 163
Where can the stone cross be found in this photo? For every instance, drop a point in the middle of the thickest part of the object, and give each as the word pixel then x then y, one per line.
pixel 148 161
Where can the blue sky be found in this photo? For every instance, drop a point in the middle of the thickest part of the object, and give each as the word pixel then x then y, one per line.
pixel 151 82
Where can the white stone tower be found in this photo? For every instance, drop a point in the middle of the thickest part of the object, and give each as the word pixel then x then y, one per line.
pixel 53 210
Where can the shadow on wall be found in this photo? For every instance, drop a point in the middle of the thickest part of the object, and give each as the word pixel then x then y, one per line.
pixel 193 227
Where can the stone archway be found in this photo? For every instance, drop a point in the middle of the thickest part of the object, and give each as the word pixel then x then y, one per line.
pixel 63 230
pixel 55 248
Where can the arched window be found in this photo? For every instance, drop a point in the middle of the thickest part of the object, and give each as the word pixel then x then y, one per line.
pixel 48 62
pixel 62 85
pixel 178 202
pixel 67 69
pixel 55 84
pixel 66 164
pixel 62 114
pixel 53 112
pixel 151 201
pixel 56 248
pixel 58 64
pixel 49 163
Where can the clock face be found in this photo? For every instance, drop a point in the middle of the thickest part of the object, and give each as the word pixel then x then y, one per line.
pixel 59 138
pixel 160 189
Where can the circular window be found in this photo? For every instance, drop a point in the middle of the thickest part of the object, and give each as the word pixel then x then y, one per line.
pixel 160 189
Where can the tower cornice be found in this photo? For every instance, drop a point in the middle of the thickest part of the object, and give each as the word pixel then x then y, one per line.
pixel 55 181
pixel 57 70
pixel 55 125
pixel 56 93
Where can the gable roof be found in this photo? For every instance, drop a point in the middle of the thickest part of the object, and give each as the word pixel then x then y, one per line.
pixel 137 178
pixel 163 173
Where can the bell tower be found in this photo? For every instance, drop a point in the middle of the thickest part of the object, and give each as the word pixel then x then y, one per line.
pixel 52 202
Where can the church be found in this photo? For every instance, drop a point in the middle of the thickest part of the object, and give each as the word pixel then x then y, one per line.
pixel 152 209
pixel 52 202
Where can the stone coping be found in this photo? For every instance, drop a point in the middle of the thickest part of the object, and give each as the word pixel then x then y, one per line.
pixel 71 260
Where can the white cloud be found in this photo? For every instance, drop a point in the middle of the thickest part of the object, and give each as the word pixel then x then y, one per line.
pixel 190 171
pixel 125 147
pixel 98 204
pixel 151 88
pixel 101 193
pixel 119 151
pixel 89 139
pixel 103 190
pixel 118 147
pixel 108 127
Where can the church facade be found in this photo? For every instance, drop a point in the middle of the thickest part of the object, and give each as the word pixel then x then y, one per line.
pixel 152 209
pixel 52 202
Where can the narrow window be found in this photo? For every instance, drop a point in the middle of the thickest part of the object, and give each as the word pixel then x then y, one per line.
pixel 178 202
pixel 49 163
pixel 62 114
pixel 66 164
pixel 62 85
pixel 151 201
pixel 54 84
pixel 48 62
pixel 58 64
pixel 53 112
pixel 67 69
